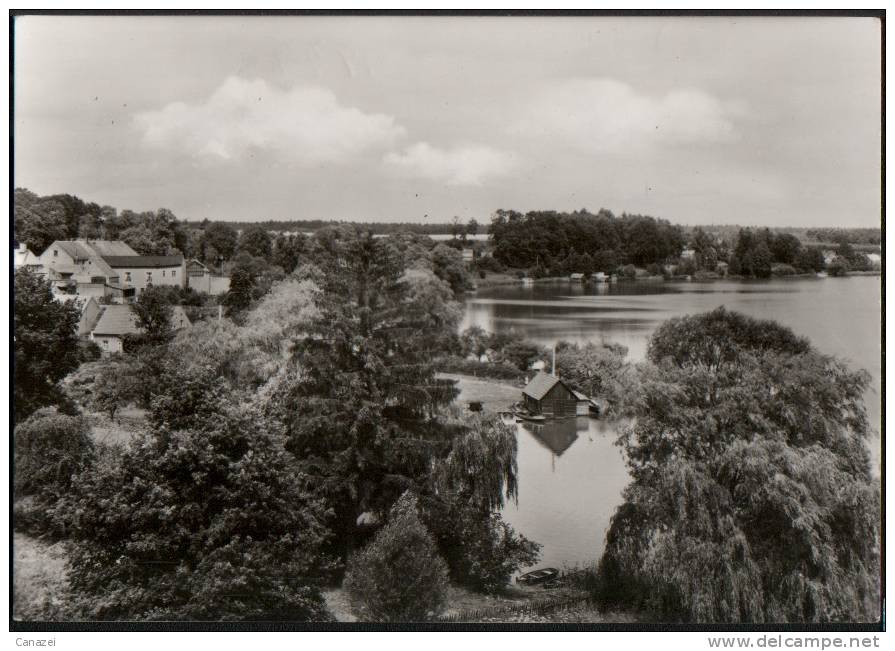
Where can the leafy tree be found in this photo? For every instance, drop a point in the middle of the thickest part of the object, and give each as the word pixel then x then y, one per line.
pixel 45 345
pixel 785 248
pixel 598 370
pixel 116 385
pixel 750 470
pixel 255 241
pixel 839 266
pixel 472 227
pixel 520 354
pixel 474 341
pixel 448 265
pixel 222 237
pixel 398 576
pixel 151 233
pixel 38 221
pixel 223 533
pixel 153 314
pixel 810 259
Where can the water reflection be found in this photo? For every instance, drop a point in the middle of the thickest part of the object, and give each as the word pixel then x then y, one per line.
pixel 571 474
pixel 557 436
pixel 571 478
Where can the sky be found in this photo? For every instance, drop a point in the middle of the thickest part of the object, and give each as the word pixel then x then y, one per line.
pixel 753 121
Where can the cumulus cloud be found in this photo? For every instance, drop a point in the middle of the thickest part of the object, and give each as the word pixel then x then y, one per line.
pixel 462 165
pixel 306 124
pixel 608 115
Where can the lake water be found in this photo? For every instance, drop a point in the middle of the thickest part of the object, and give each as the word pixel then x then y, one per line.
pixel 571 474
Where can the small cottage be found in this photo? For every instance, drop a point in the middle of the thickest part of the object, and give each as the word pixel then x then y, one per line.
pixel 549 396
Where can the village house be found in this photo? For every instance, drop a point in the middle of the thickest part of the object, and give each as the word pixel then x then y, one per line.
pixel 547 395
pixel 106 269
pixel 141 271
pixel 117 321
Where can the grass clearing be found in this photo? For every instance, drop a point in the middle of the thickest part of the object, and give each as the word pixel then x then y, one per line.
pixel 39 578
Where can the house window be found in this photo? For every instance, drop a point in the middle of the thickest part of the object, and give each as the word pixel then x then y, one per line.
pixel 127 276
pixel 174 273
pixel 148 277
pixel 163 273
pixel 55 252
pixel 105 343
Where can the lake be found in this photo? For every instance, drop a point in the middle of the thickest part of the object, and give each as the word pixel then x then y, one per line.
pixel 571 474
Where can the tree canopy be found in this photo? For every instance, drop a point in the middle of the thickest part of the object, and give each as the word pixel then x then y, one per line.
pixel 46 343
pixel 750 470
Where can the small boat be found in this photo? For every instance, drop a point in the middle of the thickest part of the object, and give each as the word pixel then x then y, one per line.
pixel 524 414
pixel 538 576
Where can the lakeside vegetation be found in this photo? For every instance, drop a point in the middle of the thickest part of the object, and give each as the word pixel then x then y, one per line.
pixel 310 440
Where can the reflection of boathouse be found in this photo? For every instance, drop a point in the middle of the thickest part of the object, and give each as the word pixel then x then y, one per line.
pixel 558 435
pixel 549 396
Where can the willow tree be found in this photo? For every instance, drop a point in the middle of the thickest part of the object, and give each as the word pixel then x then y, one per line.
pixel 752 497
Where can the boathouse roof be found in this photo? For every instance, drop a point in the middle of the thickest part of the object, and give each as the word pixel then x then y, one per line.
pixel 541 384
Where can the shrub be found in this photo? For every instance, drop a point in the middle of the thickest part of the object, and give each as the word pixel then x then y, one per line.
pixel 629 271
pixel 482 550
pixel 490 263
pixel 398 576
pixel 494 370
pixel 49 449
pixel 783 270
pixel 207 524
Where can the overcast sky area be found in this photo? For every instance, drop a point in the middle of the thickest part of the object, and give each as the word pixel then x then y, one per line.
pixel 756 121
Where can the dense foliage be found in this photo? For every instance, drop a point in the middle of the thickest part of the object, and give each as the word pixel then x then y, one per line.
pixel 461 503
pixel 597 370
pixel 50 448
pixel 360 414
pixel 750 471
pixel 398 576
pixel 205 523
pixel 559 242
pixel 46 344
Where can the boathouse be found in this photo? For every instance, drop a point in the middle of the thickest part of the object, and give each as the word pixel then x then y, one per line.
pixel 549 396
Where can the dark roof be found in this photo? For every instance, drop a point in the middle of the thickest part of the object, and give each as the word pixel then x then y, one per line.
pixel 541 384
pixel 143 261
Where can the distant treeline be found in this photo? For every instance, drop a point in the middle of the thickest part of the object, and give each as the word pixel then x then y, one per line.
pixel 865 236
pixel 541 239
pixel 309 225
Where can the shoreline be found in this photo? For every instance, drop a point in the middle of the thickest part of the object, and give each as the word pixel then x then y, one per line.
pixel 502 280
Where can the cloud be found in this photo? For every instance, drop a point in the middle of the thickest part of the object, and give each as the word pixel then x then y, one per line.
pixel 462 165
pixel 306 125
pixel 605 115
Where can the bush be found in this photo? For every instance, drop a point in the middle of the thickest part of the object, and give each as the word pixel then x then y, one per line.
pixel 49 449
pixel 838 267
pixel 207 524
pixel 490 263
pixel 88 351
pixel 629 271
pixel 494 370
pixel 398 576
pixel 783 270
pixel 483 551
